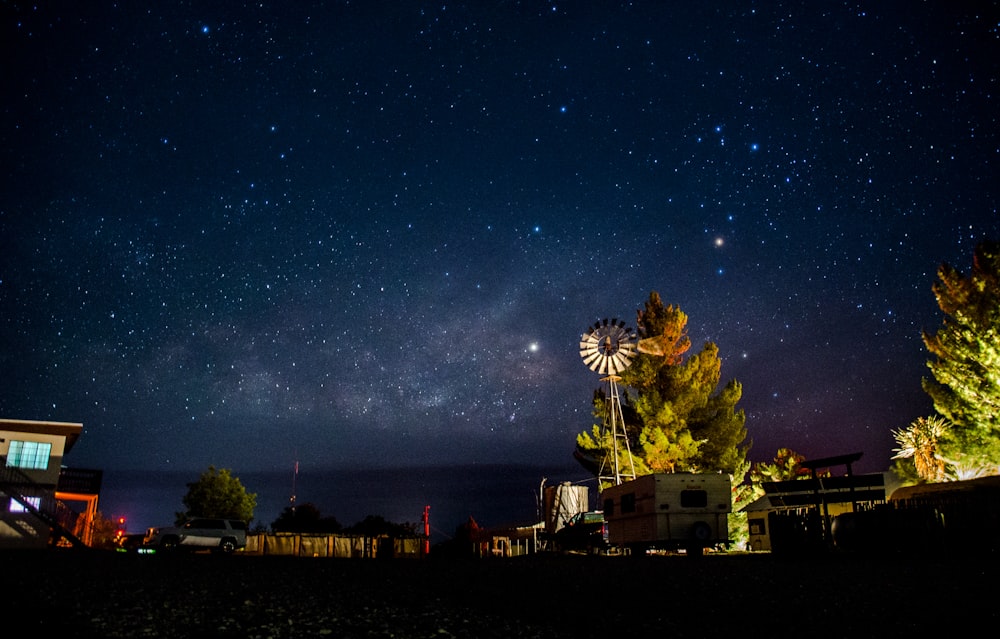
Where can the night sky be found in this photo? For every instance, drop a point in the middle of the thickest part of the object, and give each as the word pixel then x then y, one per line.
pixel 372 233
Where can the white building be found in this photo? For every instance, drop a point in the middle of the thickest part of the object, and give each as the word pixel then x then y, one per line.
pixel 35 486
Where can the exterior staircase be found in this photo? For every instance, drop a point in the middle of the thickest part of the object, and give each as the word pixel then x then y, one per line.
pixel 39 501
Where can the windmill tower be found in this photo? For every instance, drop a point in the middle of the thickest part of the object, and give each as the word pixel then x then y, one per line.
pixel 607 349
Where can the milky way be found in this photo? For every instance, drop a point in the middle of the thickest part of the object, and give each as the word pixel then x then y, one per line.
pixel 370 234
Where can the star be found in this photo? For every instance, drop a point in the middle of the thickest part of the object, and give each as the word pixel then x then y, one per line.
pixel 308 235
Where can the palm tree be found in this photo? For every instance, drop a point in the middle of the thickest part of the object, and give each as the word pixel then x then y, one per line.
pixel 920 442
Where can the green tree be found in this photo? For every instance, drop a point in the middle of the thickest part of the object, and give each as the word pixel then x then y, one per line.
pixel 787 465
pixel 675 418
pixel 743 494
pixel 919 443
pixel 217 493
pixel 965 382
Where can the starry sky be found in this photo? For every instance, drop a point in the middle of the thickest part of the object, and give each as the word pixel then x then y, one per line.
pixel 372 233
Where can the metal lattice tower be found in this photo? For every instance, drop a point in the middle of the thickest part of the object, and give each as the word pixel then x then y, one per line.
pixel 608 349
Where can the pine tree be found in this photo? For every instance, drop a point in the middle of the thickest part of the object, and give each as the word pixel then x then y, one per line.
pixel 674 417
pixel 965 387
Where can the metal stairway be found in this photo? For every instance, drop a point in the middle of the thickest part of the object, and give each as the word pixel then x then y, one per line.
pixel 61 519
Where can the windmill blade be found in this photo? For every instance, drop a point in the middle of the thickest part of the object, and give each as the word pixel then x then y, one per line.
pixel 608 347
pixel 618 364
pixel 613 365
pixel 593 360
pixel 623 360
pixel 603 368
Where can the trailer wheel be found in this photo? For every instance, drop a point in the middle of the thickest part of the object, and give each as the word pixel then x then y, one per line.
pixel 701 531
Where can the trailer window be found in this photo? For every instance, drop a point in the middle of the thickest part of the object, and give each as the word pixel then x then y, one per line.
pixel 694 499
pixel 628 503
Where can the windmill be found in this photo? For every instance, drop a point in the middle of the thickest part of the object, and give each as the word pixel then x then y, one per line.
pixel 607 349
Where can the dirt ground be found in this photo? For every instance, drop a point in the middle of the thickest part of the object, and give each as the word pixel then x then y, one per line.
pixel 102 594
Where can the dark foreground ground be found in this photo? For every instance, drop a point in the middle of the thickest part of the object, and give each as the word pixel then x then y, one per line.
pixel 101 594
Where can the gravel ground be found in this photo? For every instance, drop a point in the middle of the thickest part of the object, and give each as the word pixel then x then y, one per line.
pixel 95 594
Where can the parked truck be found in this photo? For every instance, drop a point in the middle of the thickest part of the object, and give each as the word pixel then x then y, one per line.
pixel 669 511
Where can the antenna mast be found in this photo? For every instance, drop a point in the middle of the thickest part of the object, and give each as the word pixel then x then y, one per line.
pixel 295 475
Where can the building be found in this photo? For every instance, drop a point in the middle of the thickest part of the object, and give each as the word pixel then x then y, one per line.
pixel 797 515
pixel 35 487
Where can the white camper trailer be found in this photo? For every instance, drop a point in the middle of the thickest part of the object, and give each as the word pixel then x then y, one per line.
pixel 669 511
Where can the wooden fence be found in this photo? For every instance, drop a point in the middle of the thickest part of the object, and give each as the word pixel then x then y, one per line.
pixel 336 546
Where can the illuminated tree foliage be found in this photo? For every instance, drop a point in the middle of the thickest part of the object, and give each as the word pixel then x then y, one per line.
pixel 919 443
pixel 965 383
pixel 787 465
pixel 675 417
pixel 217 493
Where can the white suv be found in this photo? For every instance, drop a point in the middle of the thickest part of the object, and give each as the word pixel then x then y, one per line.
pixel 220 535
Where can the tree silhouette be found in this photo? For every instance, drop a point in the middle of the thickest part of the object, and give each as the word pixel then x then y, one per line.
pixel 305 518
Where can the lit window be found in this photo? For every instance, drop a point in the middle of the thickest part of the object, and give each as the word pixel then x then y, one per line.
pixel 18 507
pixel 30 455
